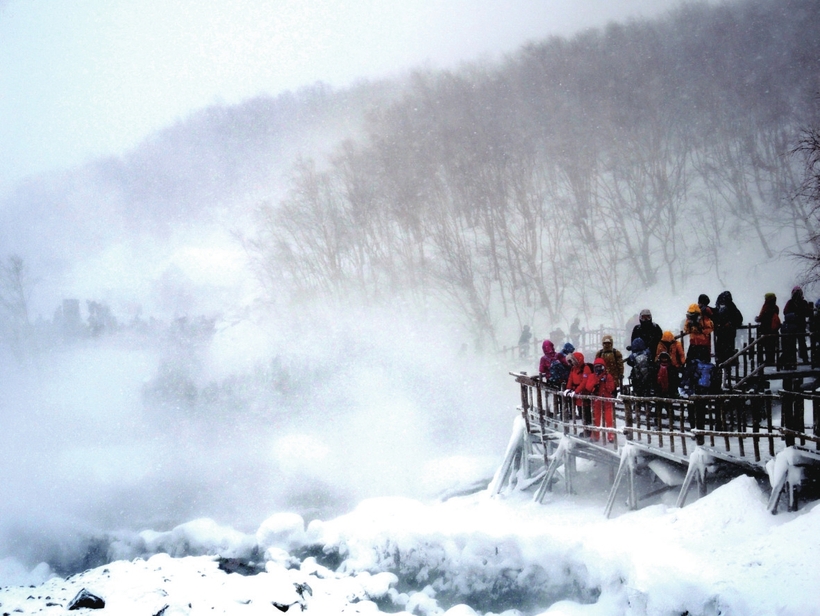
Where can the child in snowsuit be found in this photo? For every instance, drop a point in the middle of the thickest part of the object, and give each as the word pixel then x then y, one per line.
pixel 559 368
pixel 641 377
pixel 668 379
pixel 601 384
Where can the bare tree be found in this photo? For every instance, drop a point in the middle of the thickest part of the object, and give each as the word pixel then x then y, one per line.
pixel 16 287
pixel 808 148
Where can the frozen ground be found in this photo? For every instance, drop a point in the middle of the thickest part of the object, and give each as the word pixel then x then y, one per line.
pixel 723 554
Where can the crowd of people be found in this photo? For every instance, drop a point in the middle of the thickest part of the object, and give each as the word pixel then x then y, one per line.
pixel 659 365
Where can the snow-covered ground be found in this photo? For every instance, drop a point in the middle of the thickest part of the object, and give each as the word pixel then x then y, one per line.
pixel 722 554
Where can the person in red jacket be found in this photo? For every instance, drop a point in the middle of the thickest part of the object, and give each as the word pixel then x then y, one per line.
pixel 575 383
pixel 601 384
pixel 578 371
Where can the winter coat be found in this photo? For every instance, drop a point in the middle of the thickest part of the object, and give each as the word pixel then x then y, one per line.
pixel 547 358
pixel 726 317
pixel 668 344
pixel 642 375
pixel 700 331
pixel 650 333
pixel 796 313
pixel 577 373
pixel 559 372
pixel 599 385
pixel 614 362
pixel 769 317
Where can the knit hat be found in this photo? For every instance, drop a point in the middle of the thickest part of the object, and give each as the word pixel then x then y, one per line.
pixel 693 309
pixel 771 296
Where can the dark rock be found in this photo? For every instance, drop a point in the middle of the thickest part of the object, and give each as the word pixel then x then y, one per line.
pixel 87 599
pixel 240 566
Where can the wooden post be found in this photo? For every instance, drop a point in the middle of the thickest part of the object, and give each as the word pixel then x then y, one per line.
pixel 628 419
pixel 755 408
pixel 787 412
pixel 815 428
pixel 769 426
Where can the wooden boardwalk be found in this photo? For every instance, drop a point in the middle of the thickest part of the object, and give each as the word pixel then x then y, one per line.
pixel 760 433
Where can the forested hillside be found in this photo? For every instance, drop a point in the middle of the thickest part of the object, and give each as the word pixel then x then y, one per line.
pixel 568 178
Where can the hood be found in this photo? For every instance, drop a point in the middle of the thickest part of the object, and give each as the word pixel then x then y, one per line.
pixel 578 358
pixel 548 347
pixel 599 361
pixel 668 336
pixel 638 345
pixel 724 299
pixel 568 348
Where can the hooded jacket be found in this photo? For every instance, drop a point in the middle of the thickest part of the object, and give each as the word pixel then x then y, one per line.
pixel 668 344
pixel 547 358
pixel 699 331
pixel 577 373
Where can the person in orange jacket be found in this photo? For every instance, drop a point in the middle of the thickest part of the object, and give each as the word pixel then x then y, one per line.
pixel 601 384
pixel 673 347
pixel 699 328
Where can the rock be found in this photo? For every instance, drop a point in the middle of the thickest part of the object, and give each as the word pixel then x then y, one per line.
pixel 87 599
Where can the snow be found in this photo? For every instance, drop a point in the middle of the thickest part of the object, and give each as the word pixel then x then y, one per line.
pixel 475 554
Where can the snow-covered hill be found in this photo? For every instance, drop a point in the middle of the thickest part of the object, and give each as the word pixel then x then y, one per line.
pixel 723 554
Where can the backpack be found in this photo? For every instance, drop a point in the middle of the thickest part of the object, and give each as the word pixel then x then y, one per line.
pixel 559 372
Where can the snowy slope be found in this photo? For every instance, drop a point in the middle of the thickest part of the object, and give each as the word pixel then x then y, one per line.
pixel 723 554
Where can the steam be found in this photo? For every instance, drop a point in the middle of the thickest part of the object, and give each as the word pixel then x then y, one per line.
pixel 128 432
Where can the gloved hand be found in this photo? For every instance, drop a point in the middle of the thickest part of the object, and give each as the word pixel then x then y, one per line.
pixel 567 392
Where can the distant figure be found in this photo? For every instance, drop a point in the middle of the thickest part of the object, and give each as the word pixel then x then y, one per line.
pixel 613 360
pixel 727 319
pixel 647 331
pixel 575 333
pixel 768 325
pixel 524 342
pixel 558 334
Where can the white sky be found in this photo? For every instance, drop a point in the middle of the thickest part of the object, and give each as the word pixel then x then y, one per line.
pixel 84 78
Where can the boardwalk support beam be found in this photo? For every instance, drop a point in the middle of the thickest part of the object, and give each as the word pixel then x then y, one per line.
pixel 626 467
pixel 699 460
pixel 559 457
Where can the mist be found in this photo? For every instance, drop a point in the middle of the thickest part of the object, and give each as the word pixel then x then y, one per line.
pixel 234 421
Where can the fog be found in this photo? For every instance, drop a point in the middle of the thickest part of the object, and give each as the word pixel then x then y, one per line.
pixel 134 430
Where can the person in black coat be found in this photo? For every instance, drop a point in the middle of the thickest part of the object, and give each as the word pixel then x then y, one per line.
pixel 647 331
pixel 726 318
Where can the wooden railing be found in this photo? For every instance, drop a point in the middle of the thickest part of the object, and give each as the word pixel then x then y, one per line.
pixel 740 426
